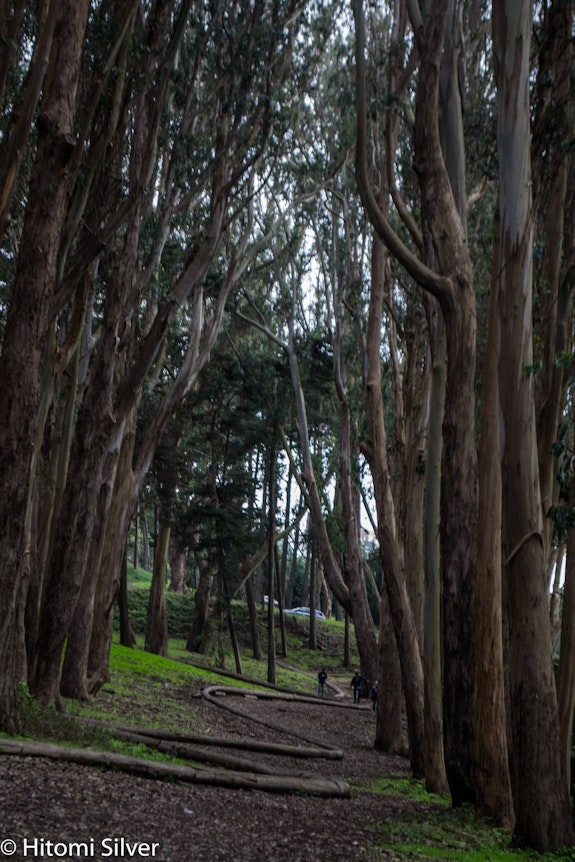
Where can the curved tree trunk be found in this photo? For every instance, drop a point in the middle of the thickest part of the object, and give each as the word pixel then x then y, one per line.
pixel 392 564
pixel 349 590
pixel 452 285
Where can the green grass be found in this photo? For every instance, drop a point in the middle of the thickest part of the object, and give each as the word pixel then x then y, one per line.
pixel 144 689
pixel 430 829
pixel 180 608
pixel 138 577
pixel 149 690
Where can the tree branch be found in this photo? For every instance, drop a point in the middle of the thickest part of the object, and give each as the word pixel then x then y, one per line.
pixel 436 284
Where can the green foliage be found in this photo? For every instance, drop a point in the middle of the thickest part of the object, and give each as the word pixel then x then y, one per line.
pixel 179 610
pixel 562 515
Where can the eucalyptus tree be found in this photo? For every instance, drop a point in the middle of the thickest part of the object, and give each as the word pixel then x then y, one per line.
pixel 554 243
pixel 449 278
pixel 55 69
pixel 159 150
pixel 543 818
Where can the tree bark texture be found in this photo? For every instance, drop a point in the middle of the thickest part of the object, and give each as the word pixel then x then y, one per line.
pixel 375 450
pixel 493 781
pixel 25 333
pixel 157 620
pixel 566 678
pixel 435 775
pixel 127 637
pixel 272 499
pixel 389 712
pixel 459 467
pixel 452 285
pixel 543 819
pixel 554 124
pixel 198 638
pixel 166 771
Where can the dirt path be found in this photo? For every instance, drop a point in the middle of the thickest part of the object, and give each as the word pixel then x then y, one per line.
pixel 94 814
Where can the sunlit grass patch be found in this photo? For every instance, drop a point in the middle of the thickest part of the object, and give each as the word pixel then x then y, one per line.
pixel 405 788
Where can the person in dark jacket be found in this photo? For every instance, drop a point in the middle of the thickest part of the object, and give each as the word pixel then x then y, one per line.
pixel 321 678
pixel 356 683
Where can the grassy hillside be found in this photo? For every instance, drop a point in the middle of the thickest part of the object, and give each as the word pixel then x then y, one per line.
pixel 330 635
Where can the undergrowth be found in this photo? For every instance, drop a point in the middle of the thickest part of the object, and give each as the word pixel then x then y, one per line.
pixel 430 829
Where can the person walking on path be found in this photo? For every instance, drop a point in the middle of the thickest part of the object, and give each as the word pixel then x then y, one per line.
pixel 321 678
pixel 356 683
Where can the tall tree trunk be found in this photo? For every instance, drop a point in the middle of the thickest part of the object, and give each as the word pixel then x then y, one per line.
pixel 272 456
pixel 543 818
pixel 281 596
pixel 74 673
pixel 312 639
pixel 127 637
pixel 435 775
pixel 414 481
pixel 493 781
pixel 452 285
pixel 553 164
pixel 391 558
pixel 253 616
pixel 136 557
pixel 293 568
pixel 27 324
pixel 566 678
pixel 234 642
pixel 146 558
pixel 353 569
pixel 348 587
pixel 198 638
pixel 108 576
pixel 157 619
pixel 389 714
pixel 445 210
pixel 177 569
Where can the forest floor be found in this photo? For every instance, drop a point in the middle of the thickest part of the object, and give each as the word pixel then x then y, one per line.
pixel 68 804
pixel 92 813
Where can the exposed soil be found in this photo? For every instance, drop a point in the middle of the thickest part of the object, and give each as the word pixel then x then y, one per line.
pixel 70 804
